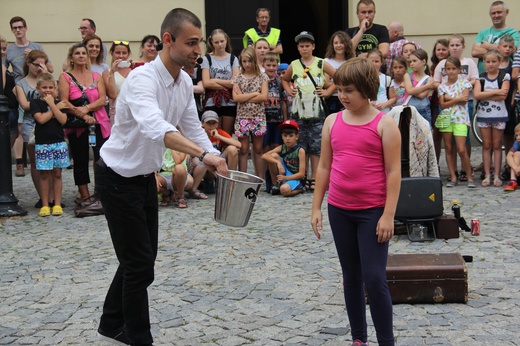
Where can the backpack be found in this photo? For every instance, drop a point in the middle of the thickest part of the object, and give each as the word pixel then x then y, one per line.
pixel 231 60
pixel 482 78
pixel 388 82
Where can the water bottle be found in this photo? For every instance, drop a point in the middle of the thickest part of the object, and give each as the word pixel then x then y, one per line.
pixel 92 135
pixel 456 209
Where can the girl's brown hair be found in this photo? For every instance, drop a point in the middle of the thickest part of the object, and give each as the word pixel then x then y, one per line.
pixel 362 74
pixel 249 52
pixel 31 57
pixel 342 35
pixel 210 48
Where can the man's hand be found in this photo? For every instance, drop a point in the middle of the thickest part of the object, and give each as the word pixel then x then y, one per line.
pixel 215 163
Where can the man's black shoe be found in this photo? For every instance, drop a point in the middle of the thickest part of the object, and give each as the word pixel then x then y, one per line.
pixel 116 337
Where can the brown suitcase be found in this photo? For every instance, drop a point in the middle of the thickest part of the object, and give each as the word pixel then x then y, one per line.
pixel 447 227
pixel 427 278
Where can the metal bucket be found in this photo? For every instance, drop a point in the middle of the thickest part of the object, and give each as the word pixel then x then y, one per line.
pixel 235 197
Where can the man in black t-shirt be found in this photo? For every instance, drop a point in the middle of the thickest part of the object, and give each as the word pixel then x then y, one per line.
pixel 368 35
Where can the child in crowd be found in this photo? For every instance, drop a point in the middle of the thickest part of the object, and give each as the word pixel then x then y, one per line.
pixel 174 179
pixel 363 188
pixel 439 53
pixel 250 89
pixel 219 66
pixel 469 72
pixel 282 68
pixel 516 102
pixel 50 147
pixel 221 140
pixel 513 160
pixel 418 84
pixel 453 121
pixel 506 48
pixel 275 107
pixel 398 70
pixel 287 162
pixel 338 51
pixel 492 90
pixel 261 49
pixel 308 109
pixel 385 95
pixel 407 50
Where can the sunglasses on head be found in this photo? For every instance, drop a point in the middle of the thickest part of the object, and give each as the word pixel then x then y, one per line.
pixel 124 43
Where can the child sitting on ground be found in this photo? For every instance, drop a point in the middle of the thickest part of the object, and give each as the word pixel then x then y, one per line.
pixel 51 149
pixel 220 139
pixel 174 179
pixel 287 162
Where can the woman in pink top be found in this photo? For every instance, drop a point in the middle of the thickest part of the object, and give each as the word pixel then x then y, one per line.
pixel 91 83
pixel 360 165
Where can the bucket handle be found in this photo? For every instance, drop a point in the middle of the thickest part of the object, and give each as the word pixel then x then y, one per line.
pixel 251 195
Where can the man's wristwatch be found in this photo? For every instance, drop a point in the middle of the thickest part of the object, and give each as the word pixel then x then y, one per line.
pixel 201 157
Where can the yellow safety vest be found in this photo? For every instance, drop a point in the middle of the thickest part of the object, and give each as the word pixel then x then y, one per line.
pixel 272 39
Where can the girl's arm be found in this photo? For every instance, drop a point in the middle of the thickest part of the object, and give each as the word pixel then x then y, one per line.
pixel 492 95
pixel 262 96
pixel 391 138
pixel 418 91
pixel 322 176
pixel 445 102
pixel 391 101
pixel 22 100
pixel 210 83
pixel 240 97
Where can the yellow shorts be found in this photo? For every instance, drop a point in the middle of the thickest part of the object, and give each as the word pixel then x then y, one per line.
pixel 459 130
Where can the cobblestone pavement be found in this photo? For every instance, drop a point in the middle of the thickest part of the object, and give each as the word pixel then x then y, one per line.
pixel 269 283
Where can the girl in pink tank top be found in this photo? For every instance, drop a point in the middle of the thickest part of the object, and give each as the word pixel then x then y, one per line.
pixel 360 165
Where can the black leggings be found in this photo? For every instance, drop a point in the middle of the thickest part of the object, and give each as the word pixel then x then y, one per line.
pixel 363 263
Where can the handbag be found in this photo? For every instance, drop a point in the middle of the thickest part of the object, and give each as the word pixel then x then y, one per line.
pixel 73 122
pixel 90 207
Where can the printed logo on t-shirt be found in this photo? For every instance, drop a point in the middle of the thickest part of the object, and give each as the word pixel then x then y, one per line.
pixel 464 71
pixel 368 42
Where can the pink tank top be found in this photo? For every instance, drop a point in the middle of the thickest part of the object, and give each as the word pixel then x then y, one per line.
pixel 357 177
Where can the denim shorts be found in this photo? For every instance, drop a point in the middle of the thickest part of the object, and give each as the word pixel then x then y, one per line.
pixel 13 122
pixel 27 128
pixel 50 156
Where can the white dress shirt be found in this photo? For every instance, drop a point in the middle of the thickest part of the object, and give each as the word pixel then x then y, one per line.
pixel 150 104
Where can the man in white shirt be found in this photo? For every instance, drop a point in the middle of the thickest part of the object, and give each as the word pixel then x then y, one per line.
pixel 154 100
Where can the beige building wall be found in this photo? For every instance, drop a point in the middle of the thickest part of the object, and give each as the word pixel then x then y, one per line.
pixel 55 23
pixel 426 21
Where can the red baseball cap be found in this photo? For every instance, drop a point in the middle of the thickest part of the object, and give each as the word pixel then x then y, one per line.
pixel 289 124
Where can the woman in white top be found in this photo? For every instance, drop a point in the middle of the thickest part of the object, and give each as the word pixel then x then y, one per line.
pixel 119 70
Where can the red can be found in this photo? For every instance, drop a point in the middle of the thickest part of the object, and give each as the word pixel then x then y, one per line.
pixel 475 227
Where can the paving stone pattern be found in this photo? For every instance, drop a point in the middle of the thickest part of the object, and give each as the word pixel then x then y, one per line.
pixel 269 283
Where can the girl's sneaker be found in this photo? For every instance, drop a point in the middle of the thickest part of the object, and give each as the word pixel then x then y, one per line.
pixel 511 185
pixel 359 343
pixel 472 185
